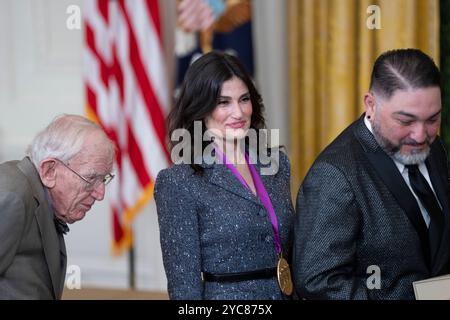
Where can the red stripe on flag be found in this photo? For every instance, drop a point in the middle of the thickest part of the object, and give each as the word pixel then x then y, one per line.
pixel 117 226
pixel 153 11
pixel 137 160
pixel 118 74
pixel 91 98
pixel 110 132
pixel 103 8
pixel 134 151
pixel 90 40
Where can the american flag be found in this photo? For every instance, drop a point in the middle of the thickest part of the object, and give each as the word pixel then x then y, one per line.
pixel 128 95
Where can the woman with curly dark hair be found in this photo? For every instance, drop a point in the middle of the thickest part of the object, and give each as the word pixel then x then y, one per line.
pixel 225 226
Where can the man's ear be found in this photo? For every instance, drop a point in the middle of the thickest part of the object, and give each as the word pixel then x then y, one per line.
pixel 369 103
pixel 47 172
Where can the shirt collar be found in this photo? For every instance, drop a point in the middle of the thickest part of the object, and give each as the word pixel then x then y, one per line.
pixel 60 225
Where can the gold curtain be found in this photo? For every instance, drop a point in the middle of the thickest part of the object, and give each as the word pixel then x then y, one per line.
pixel 331 53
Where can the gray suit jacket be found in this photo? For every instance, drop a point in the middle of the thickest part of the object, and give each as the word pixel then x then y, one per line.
pixel 32 253
pixel 212 223
pixel 354 210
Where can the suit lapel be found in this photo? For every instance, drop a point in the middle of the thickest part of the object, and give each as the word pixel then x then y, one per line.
pixel 51 245
pixel 222 177
pixel 394 182
pixel 49 236
pixel 440 188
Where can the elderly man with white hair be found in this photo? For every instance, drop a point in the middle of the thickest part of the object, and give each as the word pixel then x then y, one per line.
pixel 65 172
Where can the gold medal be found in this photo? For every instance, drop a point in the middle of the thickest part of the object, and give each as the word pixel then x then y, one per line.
pixel 284 276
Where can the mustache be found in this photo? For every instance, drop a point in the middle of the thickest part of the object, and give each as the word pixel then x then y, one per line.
pixel 414 143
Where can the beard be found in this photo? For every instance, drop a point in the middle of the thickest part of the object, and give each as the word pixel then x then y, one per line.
pixel 394 150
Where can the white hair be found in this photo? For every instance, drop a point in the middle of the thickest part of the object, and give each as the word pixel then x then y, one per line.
pixel 63 138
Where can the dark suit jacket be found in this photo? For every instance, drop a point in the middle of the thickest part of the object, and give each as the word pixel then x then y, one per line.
pixel 354 210
pixel 32 253
pixel 212 223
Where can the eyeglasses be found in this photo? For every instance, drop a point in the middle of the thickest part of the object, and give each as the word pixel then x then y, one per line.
pixel 91 183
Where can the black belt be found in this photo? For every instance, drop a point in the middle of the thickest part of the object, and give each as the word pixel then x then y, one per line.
pixel 240 276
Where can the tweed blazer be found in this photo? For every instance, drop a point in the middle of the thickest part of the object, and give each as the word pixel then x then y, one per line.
pixel 32 253
pixel 355 213
pixel 212 223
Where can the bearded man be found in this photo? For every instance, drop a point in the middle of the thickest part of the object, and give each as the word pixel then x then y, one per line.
pixel 373 210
